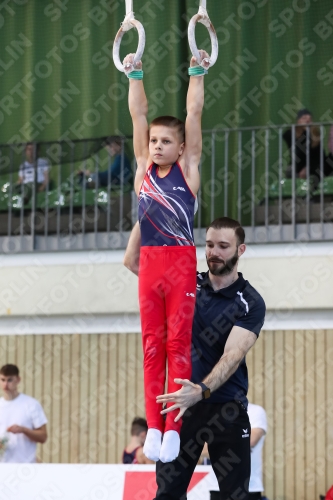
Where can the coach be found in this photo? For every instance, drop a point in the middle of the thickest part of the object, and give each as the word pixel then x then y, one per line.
pixel 229 315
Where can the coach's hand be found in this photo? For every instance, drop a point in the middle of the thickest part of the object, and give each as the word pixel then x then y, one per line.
pixel 187 396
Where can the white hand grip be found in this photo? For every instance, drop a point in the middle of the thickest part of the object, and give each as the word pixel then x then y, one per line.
pixel 203 19
pixel 132 23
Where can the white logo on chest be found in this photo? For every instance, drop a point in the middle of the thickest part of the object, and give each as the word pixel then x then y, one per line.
pixel 180 188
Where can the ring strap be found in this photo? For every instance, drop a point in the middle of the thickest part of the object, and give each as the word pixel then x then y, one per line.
pixel 129 6
pixel 126 24
pixel 203 12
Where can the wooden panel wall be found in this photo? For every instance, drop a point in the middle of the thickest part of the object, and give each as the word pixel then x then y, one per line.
pixel 291 376
pixel 91 386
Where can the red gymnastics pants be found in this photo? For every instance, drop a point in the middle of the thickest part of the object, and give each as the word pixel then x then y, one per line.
pixel 167 285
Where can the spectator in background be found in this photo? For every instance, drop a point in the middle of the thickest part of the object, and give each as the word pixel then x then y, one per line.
pixel 113 174
pixel 26 175
pixel 307 147
pixel 258 421
pixel 22 420
pixel 330 141
pixel 133 453
pixel 329 159
pixel 205 459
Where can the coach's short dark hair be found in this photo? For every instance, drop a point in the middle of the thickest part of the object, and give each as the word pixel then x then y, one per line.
pixel 9 371
pixel 227 223
pixel 171 122
pixel 138 425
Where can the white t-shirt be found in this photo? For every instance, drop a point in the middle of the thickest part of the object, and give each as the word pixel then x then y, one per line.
pixel 27 170
pixel 258 420
pixel 27 412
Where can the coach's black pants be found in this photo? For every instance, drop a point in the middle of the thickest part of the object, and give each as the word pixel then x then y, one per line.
pixel 226 429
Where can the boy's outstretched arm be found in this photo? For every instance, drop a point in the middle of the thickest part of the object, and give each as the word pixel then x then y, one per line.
pixel 193 136
pixel 138 106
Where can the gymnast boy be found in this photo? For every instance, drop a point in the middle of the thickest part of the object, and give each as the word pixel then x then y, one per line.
pixel 167 180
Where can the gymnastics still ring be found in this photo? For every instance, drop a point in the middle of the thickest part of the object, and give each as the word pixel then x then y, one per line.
pixel 128 23
pixel 203 18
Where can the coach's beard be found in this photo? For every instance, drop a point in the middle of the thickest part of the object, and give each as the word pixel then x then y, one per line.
pixel 225 267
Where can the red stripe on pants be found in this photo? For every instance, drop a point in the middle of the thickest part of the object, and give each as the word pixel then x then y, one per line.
pixel 167 285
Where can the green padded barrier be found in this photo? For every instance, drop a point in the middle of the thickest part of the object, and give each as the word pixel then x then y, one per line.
pixel 326 185
pixel 301 188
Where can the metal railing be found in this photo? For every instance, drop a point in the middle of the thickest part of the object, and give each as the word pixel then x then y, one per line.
pixel 82 204
pixel 278 193
pixel 246 173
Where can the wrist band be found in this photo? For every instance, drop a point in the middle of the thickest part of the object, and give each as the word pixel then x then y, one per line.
pixel 136 74
pixel 197 71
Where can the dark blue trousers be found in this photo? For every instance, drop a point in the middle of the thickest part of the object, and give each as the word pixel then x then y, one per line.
pixel 226 429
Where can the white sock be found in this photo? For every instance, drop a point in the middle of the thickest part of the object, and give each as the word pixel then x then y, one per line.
pixel 170 446
pixel 152 444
